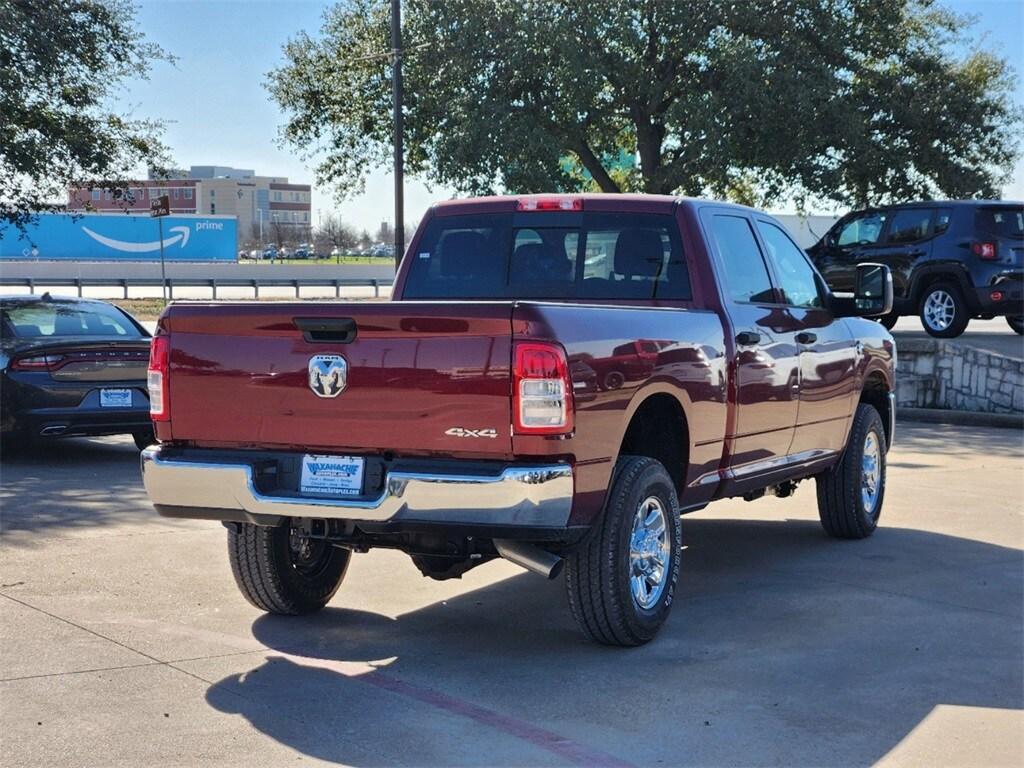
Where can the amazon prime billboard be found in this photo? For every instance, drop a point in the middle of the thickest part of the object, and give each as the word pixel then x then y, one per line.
pixel 121 237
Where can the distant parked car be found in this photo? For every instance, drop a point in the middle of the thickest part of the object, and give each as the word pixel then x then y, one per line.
pixel 950 260
pixel 256 254
pixel 269 253
pixel 301 252
pixel 72 367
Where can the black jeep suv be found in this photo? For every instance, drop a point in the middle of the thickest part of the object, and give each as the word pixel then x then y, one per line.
pixel 950 260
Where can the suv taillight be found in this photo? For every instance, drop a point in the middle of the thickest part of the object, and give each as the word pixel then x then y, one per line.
pixel 542 395
pixel 157 378
pixel 984 250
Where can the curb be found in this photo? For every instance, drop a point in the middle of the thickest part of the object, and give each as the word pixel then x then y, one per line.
pixel 961 418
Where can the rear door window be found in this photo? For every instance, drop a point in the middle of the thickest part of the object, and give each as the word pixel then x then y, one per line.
pixel 596 256
pixel 910 225
pixel 1001 222
pixel 746 274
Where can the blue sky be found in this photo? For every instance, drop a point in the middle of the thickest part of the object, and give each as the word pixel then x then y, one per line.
pixel 220 114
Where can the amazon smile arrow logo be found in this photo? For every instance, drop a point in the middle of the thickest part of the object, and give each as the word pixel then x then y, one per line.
pixel 121 245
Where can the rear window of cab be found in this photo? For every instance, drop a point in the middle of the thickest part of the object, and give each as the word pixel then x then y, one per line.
pixel 549 256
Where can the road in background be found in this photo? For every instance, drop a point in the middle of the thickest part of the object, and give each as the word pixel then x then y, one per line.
pixel 987 335
pixel 39 271
pixel 124 642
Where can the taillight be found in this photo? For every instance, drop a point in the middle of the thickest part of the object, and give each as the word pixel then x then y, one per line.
pixel 550 204
pixel 984 250
pixel 542 396
pixel 41 363
pixel 157 378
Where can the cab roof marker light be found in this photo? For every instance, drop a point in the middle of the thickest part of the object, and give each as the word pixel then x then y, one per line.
pixel 550 204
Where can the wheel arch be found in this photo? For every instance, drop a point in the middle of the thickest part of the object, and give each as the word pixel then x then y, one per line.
pixel 875 391
pixel 656 426
pixel 932 273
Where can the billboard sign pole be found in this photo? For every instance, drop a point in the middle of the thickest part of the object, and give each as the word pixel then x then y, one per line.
pixel 158 209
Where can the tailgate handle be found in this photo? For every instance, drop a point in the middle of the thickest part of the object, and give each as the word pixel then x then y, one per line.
pixel 341 330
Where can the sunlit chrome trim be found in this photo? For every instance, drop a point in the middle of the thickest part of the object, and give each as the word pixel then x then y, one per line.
pixel 518 496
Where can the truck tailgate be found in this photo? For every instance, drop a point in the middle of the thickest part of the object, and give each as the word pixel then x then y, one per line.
pixel 421 378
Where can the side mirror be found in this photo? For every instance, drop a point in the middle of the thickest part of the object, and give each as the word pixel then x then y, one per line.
pixel 872 296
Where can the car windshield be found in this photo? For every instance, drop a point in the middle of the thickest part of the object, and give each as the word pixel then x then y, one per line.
pixel 1002 222
pixel 57 319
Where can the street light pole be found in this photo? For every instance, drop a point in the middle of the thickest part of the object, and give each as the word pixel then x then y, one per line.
pixel 396 85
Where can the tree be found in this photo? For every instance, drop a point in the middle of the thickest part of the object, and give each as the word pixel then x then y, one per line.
pixel 854 101
pixel 337 233
pixel 60 63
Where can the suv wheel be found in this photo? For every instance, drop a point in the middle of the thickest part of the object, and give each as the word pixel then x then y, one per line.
pixel 279 571
pixel 1017 323
pixel 622 579
pixel 944 311
pixel 850 494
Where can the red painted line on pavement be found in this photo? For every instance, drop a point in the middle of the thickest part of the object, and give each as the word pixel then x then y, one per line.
pixel 561 746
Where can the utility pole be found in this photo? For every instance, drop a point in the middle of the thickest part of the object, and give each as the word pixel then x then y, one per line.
pixel 396 86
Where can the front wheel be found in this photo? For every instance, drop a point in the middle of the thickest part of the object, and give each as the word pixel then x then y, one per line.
pixel 622 579
pixel 850 494
pixel 944 311
pixel 1017 323
pixel 280 571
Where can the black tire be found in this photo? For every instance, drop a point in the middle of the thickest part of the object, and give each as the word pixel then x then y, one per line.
pixel 143 439
pixel 947 293
pixel 597 576
pixel 842 507
pixel 1017 323
pixel 276 578
pixel 887 321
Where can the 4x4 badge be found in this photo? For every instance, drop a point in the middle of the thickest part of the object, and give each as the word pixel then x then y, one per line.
pixel 328 375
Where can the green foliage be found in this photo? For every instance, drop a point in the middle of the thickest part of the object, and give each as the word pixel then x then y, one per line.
pixel 853 101
pixel 61 61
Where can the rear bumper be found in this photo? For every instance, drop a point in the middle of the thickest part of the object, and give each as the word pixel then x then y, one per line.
pixel 516 496
pixel 1009 287
pixel 59 422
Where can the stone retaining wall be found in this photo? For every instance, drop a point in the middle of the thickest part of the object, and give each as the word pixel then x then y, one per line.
pixel 933 373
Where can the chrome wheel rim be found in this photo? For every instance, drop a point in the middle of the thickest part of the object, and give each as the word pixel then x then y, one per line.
pixel 939 310
pixel 650 550
pixel 871 473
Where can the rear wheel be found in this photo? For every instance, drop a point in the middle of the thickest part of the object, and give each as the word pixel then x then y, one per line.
pixel 143 439
pixel 279 571
pixel 850 494
pixel 944 311
pixel 622 579
pixel 1017 323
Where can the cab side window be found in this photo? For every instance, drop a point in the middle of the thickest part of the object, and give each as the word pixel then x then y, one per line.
pixel 795 274
pixel 865 229
pixel 745 271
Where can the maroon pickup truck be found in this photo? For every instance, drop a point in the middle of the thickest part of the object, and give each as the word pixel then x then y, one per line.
pixel 555 381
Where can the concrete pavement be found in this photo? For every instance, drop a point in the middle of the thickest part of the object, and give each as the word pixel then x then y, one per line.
pixel 124 642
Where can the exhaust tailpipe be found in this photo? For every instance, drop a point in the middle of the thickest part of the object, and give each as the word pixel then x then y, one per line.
pixel 53 430
pixel 530 557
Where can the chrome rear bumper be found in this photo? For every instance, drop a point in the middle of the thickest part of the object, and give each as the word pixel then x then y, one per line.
pixel 518 496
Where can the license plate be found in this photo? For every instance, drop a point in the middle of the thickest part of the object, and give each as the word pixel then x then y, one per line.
pixel 115 398
pixel 332 475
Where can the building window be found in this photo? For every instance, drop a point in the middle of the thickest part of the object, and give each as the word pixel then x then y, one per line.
pixel 95 194
pixel 188 193
pixel 176 191
pixel 213 193
pixel 106 194
pixel 213 207
pixel 277 196
pixel 154 192
pixel 305 215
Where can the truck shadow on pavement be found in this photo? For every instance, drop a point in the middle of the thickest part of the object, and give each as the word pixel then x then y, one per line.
pixel 784 647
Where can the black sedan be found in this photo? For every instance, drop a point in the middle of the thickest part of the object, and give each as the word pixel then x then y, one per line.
pixel 71 367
